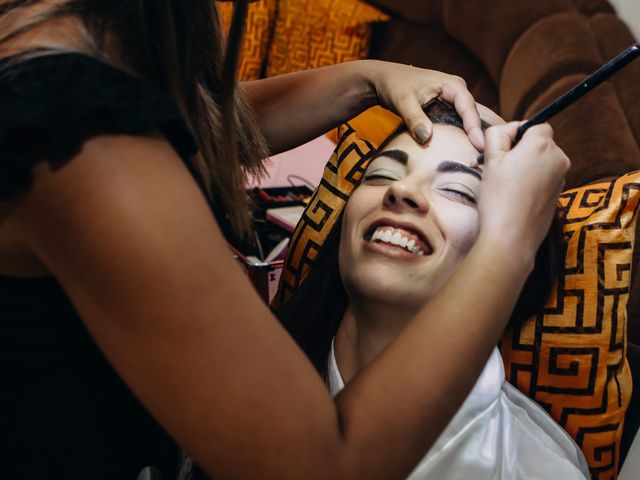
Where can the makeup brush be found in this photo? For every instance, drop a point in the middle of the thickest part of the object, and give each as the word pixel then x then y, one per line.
pixel 585 86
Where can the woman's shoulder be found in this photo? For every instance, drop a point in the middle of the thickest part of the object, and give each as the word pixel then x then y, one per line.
pixel 53 102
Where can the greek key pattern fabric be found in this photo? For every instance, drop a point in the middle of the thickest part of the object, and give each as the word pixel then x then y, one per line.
pixel 317 33
pixel 570 357
pixel 341 176
pixel 255 48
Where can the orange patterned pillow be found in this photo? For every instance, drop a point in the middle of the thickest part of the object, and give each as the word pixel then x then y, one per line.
pixel 342 174
pixel 260 23
pixel 374 125
pixel 317 33
pixel 571 357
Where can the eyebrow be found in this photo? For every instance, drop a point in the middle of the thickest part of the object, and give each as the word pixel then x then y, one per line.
pixel 455 167
pixel 447 166
pixel 397 155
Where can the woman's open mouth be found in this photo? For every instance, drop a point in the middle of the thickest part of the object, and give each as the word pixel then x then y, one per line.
pixel 404 238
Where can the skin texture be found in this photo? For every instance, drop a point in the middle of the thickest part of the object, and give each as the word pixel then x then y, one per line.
pixel 125 230
pixel 442 205
pixel 338 93
pixel 387 286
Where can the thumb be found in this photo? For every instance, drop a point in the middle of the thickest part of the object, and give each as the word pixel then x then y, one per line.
pixel 499 139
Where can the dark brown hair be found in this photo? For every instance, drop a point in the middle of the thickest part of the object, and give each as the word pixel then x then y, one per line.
pixel 315 311
pixel 178 46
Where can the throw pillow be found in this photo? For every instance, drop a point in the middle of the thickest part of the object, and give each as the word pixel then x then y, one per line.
pixel 259 27
pixel 571 356
pixel 316 33
pixel 341 176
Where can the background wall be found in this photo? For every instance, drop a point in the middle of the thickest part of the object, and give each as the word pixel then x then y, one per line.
pixel 305 162
pixel 629 11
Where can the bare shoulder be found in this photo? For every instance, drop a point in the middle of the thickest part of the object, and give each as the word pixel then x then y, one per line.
pixel 107 166
pixel 121 198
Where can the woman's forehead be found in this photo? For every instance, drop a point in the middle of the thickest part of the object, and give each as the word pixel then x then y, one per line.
pixel 447 143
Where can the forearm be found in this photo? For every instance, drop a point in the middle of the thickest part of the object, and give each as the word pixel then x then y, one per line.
pixel 297 107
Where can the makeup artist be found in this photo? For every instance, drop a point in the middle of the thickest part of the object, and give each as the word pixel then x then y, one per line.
pixel 121 134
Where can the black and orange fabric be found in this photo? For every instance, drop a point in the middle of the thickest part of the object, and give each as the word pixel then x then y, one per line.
pixel 260 23
pixel 284 36
pixel 317 33
pixel 570 357
pixel 374 124
pixel 341 176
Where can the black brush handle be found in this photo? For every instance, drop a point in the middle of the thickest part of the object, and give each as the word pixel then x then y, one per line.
pixel 577 92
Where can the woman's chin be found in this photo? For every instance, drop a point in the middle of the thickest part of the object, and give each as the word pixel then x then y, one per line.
pixel 388 289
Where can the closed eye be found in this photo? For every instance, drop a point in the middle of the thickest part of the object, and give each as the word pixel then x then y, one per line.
pixel 461 195
pixel 379 178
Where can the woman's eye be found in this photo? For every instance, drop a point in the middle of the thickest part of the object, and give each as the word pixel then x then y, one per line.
pixel 467 197
pixel 379 179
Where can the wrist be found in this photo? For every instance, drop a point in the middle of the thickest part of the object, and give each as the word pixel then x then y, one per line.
pixel 366 73
pixel 510 248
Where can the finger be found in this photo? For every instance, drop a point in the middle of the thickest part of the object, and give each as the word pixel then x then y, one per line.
pixel 456 93
pixel 489 116
pixel 542 129
pixel 499 138
pixel 409 108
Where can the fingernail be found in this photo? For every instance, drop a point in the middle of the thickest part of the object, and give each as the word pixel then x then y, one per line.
pixel 422 134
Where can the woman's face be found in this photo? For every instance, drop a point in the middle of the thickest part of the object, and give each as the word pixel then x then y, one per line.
pixel 412 220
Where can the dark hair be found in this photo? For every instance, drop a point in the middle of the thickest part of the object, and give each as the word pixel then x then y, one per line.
pixel 312 316
pixel 178 46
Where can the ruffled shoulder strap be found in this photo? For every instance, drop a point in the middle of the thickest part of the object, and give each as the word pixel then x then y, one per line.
pixel 49 105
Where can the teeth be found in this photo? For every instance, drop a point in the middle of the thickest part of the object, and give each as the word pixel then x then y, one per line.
pixel 384 234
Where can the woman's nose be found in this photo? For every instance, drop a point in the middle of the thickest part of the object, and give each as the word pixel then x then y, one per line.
pixel 405 195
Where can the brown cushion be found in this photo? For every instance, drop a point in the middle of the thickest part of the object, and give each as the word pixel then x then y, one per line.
pixel 430 46
pixel 533 50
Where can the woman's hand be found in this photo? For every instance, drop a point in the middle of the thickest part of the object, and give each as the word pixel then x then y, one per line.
pixel 521 185
pixel 405 90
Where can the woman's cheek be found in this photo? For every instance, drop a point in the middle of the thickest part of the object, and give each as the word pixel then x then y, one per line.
pixel 462 228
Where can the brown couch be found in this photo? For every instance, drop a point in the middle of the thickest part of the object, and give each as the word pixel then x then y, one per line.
pixel 516 57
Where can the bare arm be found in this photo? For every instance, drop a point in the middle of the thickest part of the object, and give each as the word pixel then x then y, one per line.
pixel 297 107
pixel 129 236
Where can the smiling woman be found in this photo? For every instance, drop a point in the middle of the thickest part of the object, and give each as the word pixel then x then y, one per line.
pixel 317 309
pixel 404 232
pixel 426 194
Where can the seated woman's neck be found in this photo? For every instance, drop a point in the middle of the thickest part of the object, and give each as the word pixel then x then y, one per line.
pixel 367 328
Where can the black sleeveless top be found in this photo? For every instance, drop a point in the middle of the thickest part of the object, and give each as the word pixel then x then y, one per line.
pixel 64 413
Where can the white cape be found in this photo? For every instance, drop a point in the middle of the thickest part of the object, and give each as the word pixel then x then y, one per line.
pixel 498 433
